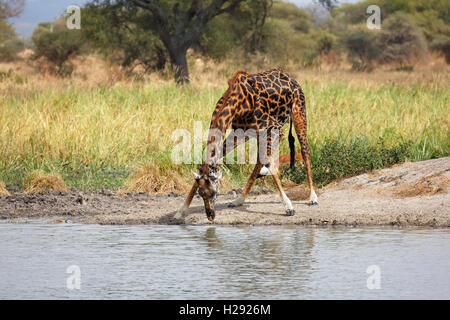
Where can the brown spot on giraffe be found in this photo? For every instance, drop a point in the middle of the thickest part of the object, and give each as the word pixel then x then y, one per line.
pixel 262 102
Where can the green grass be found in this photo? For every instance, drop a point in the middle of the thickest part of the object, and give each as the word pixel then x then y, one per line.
pixel 96 136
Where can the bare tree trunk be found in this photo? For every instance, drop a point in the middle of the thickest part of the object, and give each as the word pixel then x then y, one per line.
pixel 178 59
pixel 266 6
pixel 259 23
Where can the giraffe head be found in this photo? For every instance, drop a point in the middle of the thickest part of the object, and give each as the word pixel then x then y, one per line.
pixel 208 187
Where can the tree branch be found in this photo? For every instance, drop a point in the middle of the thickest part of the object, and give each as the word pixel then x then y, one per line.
pixel 161 18
pixel 154 8
pixel 183 23
pixel 204 16
pixel 230 7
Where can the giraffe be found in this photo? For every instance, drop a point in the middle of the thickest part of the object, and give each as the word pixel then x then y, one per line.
pixel 281 160
pixel 262 102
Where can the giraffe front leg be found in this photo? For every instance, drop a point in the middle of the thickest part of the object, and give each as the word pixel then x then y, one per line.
pixel 241 199
pixel 183 210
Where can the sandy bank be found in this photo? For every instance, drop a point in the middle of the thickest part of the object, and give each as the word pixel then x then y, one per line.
pixel 410 194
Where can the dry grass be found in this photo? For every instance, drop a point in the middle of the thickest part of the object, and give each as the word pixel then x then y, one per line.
pixel 150 178
pixel 38 181
pixel 101 119
pixel 3 190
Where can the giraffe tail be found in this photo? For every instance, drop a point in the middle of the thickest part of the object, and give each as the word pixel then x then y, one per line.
pixel 291 140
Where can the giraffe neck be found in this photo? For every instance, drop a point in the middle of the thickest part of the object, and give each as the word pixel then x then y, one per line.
pixel 214 145
pixel 220 121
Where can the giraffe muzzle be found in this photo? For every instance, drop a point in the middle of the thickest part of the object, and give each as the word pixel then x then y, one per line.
pixel 210 214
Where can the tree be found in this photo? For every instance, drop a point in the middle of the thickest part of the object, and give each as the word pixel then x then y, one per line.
pixel 259 13
pixel 129 37
pixel 363 48
pixel 400 40
pixel 10 44
pixel 56 43
pixel 11 8
pixel 329 5
pixel 180 24
pixel 244 31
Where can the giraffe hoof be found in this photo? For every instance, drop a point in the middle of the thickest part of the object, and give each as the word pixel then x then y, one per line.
pixel 313 203
pixel 290 212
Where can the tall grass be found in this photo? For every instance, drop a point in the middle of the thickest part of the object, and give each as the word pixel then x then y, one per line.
pixel 96 136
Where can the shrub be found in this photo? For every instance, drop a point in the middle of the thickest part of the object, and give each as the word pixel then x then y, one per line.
pixel 325 42
pixel 400 40
pixel 56 43
pixel 38 181
pixel 11 76
pixel 335 159
pixel 442 44
pixel 10 44
pixel 362 47
pixel 3 190
pixel 153 179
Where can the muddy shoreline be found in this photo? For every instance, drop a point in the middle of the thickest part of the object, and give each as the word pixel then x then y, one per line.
pixel 410 194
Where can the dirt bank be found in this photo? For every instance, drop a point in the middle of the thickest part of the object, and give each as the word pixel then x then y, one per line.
pixel 410 194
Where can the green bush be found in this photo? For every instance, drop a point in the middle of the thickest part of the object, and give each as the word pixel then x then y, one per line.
pixel 325 42
pixel 284 36
pixel 10 75
pixel 442 44
pixel 10 48
pixel 362 46
pixel 400 40
pixel 10 44
pixel 407 28
pixel 335 159
pixel 56 43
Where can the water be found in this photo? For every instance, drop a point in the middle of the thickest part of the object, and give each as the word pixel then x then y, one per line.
pixel 215 262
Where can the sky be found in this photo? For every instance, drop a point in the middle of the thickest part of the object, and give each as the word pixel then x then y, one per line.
pixel 40 11
pixel 48 10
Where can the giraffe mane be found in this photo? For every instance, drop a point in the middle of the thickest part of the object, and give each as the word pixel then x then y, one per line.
pixel 231 82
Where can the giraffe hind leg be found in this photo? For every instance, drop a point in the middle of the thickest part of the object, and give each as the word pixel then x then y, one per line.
pixel 300 124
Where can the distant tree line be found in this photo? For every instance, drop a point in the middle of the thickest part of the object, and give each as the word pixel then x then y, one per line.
pixel 158 33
